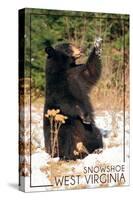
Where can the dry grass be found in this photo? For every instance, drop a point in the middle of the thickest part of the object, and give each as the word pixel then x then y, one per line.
pixel 60 169
pixel 102 96
pixel 24 168
pixel 24 148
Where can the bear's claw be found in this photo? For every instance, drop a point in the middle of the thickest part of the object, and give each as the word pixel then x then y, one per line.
pixel 97 45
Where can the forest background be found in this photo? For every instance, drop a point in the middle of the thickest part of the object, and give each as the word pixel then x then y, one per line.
pixel 112 91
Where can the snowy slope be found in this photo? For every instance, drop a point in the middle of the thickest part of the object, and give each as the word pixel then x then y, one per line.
pixel 44 168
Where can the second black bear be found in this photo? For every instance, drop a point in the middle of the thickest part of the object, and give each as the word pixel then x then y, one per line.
pixel 67 88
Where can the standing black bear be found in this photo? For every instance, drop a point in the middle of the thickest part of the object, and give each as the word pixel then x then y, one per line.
pixel 67 88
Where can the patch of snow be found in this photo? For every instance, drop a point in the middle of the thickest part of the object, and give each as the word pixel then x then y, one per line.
pixel 112 128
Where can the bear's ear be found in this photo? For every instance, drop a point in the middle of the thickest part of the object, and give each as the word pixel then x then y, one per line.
pixel 50 51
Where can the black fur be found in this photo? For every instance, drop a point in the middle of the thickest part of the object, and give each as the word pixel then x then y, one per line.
pixel 67 89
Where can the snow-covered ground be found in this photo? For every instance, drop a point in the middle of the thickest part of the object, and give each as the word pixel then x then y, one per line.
pixel 44 169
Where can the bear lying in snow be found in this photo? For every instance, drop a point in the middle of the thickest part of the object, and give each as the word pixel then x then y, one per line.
pixel 67 88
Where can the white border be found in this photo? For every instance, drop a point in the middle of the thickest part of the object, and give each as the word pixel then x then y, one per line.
pixel 9 90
